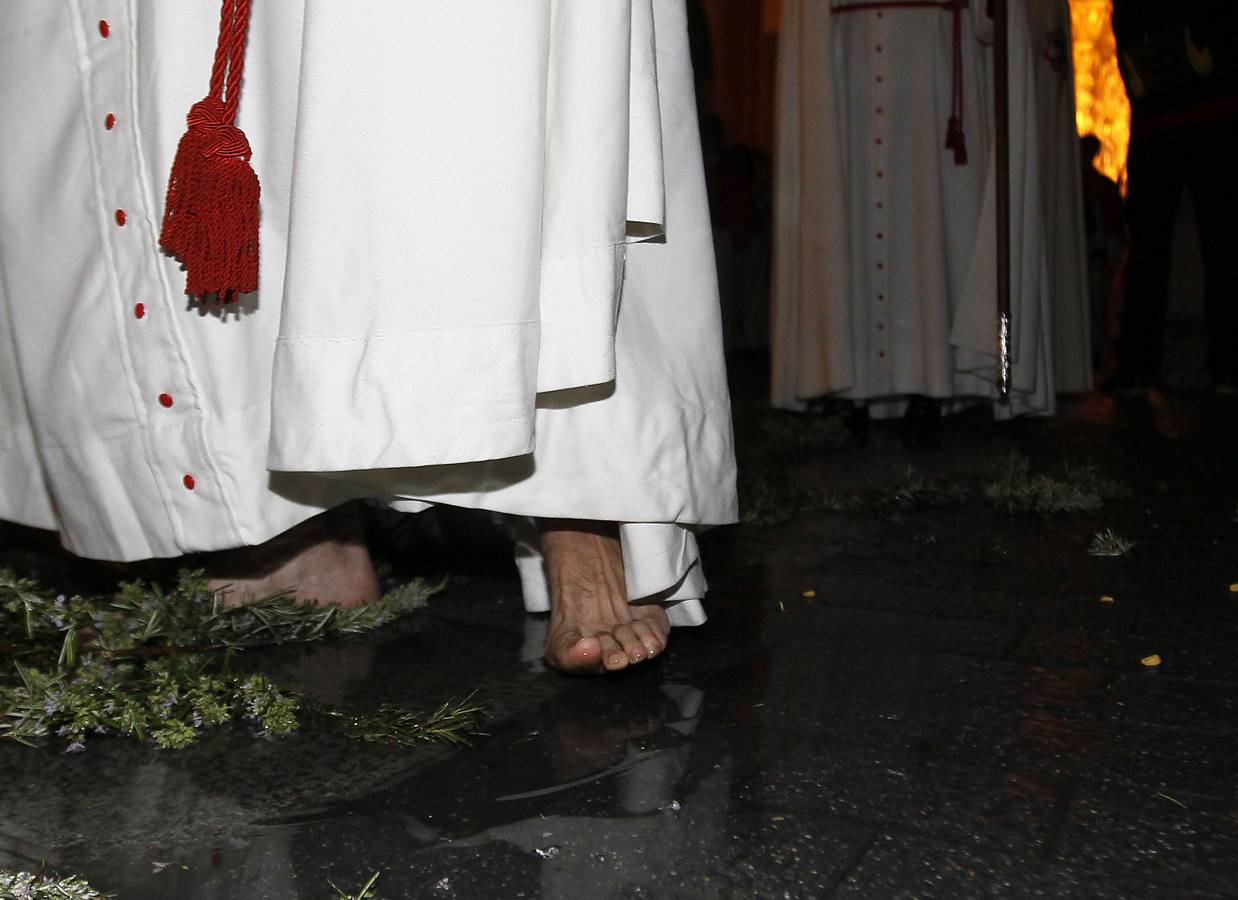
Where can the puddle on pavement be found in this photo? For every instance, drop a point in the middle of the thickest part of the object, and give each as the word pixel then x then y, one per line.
pixel 581 786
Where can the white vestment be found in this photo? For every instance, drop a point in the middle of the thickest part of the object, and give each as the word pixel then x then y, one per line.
pixel 885 273
pixel 1062 187
pixel 486 277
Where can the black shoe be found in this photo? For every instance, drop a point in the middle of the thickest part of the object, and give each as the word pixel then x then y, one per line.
pixel 852 413
pixel 921 425
pixel 855 417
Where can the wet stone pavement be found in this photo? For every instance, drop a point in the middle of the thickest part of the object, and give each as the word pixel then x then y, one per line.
pixel 897 695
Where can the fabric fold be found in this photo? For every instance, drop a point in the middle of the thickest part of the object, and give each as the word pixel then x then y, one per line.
pixel 456 213
pixel 661 565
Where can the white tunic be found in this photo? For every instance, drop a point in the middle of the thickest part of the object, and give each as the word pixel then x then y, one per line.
pixel 1062 187
pixel 487 277
pixel 885 264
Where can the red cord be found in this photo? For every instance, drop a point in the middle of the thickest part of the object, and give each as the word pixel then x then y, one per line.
pixel 955 139
pixel 210 219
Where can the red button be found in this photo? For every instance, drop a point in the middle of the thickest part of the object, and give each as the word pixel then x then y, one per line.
pixel 879 142
pixel 110 122
pixel 188 482
pixel 165 400
pixel 139 310
pixel 104 28
pixel 881 174
pixel 120 217
pixel 878 110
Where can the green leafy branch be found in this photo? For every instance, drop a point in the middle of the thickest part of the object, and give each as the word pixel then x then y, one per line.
pixel 41 886
pixel 366 892
pixel 769 494
pixel 451 723
pixel 158 666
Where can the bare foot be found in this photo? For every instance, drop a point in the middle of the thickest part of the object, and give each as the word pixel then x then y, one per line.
pixel 322 560
pixel 593 628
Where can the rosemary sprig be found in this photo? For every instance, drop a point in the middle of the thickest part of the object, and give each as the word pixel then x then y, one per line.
pixel 454 722
pixel 366 892
pixel 40 886
pixel 1106 543
pixel 157 666
pixel 768 495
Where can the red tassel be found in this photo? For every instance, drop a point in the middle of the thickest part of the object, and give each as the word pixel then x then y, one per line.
pixel 954 127
pixel 210 220
pixel 956 141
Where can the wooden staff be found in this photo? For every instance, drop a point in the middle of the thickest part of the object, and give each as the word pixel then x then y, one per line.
pixel 1001 101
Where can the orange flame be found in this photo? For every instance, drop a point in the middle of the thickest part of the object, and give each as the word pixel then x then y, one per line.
pixel 1101 107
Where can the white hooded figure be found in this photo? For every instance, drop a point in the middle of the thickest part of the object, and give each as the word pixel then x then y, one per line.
pixel 885 262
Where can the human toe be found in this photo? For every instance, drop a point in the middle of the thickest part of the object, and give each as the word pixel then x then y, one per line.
pixel 571 653
pixel 614 657
pixel 650 638
pixel 627 636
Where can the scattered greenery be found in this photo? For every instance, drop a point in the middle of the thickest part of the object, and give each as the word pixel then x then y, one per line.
pixel 451 723
pixel 908 489
pixel 1090 477
pixel 366 892
pixel 768 443
pixel 1015 489
pixel 1106 543
pixel 769 494
pixel 166 701
pixel 766 499
pixel 788 435
pixel 41 886
pixel 161 666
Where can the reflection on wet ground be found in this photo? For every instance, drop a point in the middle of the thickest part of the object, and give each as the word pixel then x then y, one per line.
pixel 907 702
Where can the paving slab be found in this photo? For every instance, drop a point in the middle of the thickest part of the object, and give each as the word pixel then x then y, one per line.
pixel 893 698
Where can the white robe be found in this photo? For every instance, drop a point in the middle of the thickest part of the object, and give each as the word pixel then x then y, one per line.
pixel 1062 187
pixel 486 280
pixel 885 276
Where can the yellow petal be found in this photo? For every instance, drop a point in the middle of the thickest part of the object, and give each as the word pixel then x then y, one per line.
pixel 1233 588
pixel 809 594
pixel 1151 661
pixel 1106 599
